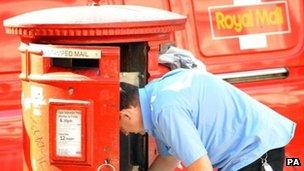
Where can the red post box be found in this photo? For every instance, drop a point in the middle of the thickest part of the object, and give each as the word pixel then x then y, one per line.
pixel 72 61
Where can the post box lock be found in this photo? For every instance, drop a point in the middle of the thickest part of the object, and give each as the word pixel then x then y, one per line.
pixel 106 166
pixel 71 91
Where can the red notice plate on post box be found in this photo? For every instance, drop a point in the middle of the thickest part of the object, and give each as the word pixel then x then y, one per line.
pixel 68 132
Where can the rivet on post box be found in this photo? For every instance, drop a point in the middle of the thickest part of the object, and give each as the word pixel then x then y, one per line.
pixel 73 59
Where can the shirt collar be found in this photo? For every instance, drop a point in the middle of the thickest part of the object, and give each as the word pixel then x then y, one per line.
pixel 144 99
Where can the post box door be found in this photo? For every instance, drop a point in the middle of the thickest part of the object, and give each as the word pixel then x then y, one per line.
pixel 74 103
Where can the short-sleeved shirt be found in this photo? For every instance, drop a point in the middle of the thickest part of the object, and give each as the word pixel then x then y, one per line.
pixel 192 113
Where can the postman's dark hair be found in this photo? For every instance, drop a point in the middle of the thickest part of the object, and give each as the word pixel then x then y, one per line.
pixel 128 95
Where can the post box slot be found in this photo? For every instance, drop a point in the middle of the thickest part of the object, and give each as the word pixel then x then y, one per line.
pixel 74 63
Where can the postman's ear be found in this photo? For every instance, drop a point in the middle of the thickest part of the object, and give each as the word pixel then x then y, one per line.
pixel 125 114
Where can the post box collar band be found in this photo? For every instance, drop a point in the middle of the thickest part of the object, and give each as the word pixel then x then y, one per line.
pixel 105 20
pixel 146 110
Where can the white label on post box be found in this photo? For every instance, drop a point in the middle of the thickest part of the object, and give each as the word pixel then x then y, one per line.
pixel 71 53
pixel 68 133
pixel 36 94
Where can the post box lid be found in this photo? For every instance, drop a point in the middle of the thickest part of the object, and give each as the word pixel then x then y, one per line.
pixel 104 20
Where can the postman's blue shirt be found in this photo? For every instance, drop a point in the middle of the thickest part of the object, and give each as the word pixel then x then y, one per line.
pixel 192 113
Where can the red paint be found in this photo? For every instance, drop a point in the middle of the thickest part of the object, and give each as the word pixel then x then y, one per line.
pixel 96 93
pixel 48 87
pixel 11 146
pixel 221 56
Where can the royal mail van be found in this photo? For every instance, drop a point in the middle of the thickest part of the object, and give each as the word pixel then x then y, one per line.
pixel 258 45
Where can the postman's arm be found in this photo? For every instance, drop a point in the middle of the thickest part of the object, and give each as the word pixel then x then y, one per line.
pixel 179 133
pixel 164 163
pixel 203 163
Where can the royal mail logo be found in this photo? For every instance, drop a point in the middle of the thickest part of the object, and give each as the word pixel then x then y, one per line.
pixel 232 21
